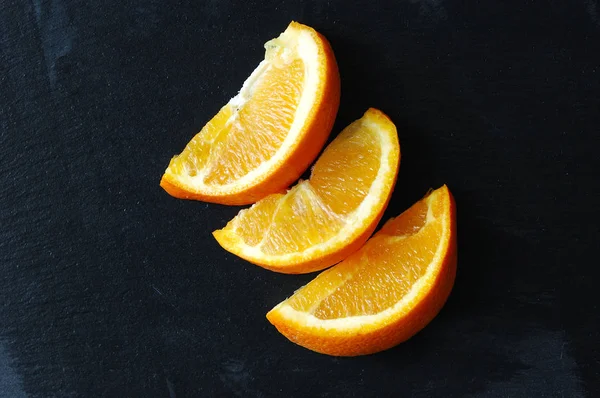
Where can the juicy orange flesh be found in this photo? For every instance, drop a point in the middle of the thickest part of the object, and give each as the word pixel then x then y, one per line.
pixel 251 232
pixel 344 173
pixel 300 222
pixel 283 223
pixel 195 155
pixel 381 273
pixel 314 211
pixel 237 141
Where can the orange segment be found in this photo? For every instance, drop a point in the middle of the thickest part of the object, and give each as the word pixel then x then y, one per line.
pixel 344 174
pixel 299 223
pixel 384 293
pixel 267 116
pixel 321 221
pixel 268 134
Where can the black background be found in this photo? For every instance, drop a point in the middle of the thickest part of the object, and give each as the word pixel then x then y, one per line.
pixel 110 287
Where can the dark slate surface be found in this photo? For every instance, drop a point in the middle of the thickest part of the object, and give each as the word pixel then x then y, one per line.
pixel 109 287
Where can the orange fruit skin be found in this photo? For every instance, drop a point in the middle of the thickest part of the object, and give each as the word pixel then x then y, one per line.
pixel 401 329
pixel 313 137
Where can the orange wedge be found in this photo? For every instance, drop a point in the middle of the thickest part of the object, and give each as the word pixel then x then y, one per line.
pixel 321 221
pixel 266 136
pixel 384 293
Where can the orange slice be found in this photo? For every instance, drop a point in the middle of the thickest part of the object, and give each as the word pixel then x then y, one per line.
pixel 266 136
pixel 321 221
pixel 384 293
